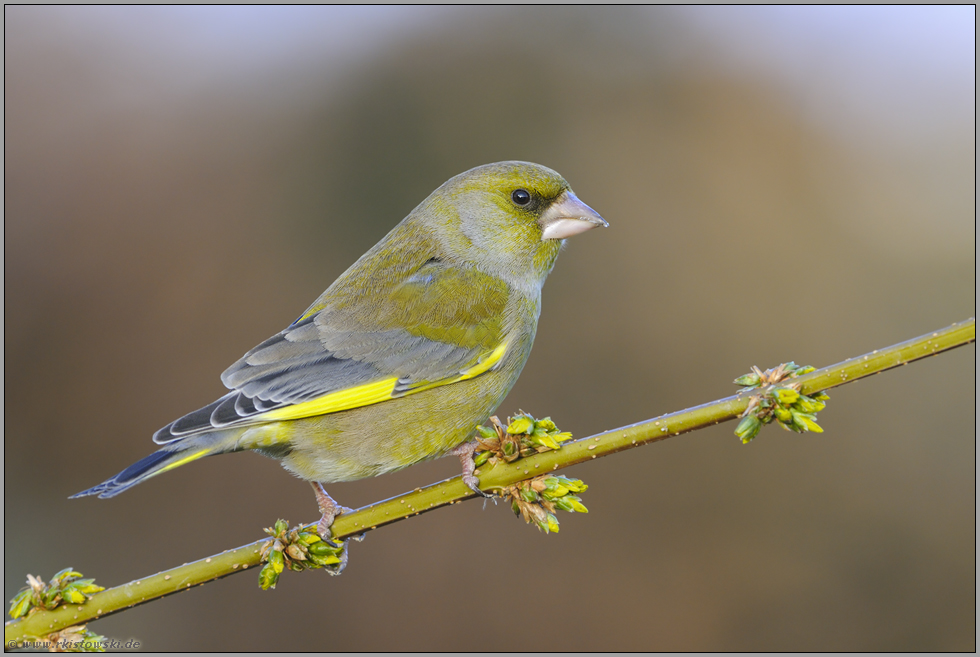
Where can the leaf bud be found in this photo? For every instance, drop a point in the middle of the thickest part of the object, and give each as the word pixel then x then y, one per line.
pixel 521 424
pixel 748 428
pixel 750 380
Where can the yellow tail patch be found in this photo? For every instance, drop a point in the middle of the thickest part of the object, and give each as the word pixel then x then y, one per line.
pixel 180 462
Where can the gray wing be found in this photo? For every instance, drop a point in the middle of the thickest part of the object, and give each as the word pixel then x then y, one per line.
pixel 337 348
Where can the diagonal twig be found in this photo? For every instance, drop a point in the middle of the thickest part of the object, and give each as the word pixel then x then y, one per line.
pixel 42 623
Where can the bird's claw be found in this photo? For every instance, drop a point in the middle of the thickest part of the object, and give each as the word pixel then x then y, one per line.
pixel 465 453
pixel 329 510
pixel 327 519
pixel 473 483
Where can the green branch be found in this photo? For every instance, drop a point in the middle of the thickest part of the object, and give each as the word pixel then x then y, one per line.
pixel 41 623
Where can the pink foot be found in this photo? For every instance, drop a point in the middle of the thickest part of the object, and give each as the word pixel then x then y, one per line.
pixel 329 510
pixel 465 453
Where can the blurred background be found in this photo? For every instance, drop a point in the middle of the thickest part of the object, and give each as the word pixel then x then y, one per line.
pixel 781 184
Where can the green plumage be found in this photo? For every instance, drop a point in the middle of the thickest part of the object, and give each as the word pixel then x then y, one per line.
pixel 452 287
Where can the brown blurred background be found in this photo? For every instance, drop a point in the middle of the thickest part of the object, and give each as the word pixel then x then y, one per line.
pixel 781 184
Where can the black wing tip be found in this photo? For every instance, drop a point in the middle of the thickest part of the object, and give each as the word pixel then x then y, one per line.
pixel 104 490
pixel 129 477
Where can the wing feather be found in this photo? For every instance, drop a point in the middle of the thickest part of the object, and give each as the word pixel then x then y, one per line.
pixel 436 324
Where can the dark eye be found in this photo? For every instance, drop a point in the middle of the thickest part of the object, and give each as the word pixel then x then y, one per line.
pixel 521 197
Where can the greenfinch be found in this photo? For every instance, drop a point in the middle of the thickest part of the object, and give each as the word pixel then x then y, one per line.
pixel 411 348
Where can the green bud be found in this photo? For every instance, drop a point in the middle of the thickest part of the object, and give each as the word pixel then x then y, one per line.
pixel 821 396
pixel 806 369
pixel 783 414
pixel 50 595
pixel 281 526
pixel 268 577
pixel 20 604
pixel 555 493
pixel 563 436
pixel 547 441
pixel 319 550
pixel 750 380
pixel 308 538
pixel 808 405
pixel 73 596
pixel 571 503
pixel 574 485
pixel 806 422
pixel 486 432
pixel 295 566
pixel 563 503
pixel 481 458
pixel 552 523
pixel 748 428
pixel 276 561
pixel 324 548
pixel 786 396
pixel 529 495
pixel 88 586
pixel 62 575
pixel 325 560
pixel 509 449
pixel 521 424
pixel 547 424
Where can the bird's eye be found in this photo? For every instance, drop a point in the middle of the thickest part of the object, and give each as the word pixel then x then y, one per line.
pixel 521 197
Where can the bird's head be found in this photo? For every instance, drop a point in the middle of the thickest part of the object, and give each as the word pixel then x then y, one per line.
pixel 509 218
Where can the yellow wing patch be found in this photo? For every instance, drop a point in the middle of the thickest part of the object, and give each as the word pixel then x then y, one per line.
pixel 372 393
pixel 476 370
pixel 342 400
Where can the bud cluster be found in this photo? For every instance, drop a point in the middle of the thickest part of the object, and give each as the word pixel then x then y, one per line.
pixel 779 401
pixel 77 638
pixel 297 549
pixel 522 437
pixel 537 499
pixel 67 586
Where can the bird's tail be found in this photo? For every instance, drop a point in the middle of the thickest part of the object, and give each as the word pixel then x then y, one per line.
pixel 172 456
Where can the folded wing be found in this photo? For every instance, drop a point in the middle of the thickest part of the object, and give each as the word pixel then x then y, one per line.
pixel 372 339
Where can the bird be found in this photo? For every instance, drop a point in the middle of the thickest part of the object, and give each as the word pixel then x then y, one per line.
pixel 408 351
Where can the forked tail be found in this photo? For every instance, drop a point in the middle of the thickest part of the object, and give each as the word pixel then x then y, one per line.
pixel 172 456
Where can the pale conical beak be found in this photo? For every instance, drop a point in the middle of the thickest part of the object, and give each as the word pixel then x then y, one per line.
pixel 568 216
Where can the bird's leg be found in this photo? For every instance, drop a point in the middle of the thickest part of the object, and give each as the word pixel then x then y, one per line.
pixel 465 453
pixel 329 510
